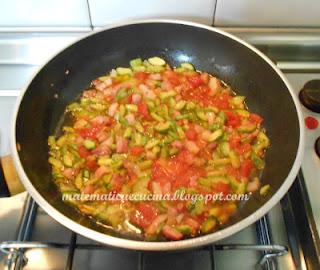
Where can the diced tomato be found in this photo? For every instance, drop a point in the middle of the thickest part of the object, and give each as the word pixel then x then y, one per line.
pixel 90 132
pixel 233 119
pixel 195 80
pixel 176 171
pixel 171 233
pixel 194 224
pixel 83 152
pixel 246 168
pixel 91 164
pixel 240 148
pixel 191 134
pixel 222 187
pixel 234 141
pixel 255 118
pixel 89 189
pixel 222 101
pixel 172 77
pixel 141 76
pixel 136 150
pixel 143 110
pixel 144 215
pixel 117 182
pixel 130 98
pixel 244 148
pixel 205 77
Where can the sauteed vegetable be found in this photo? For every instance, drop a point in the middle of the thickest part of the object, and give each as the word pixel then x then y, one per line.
pixel 150 129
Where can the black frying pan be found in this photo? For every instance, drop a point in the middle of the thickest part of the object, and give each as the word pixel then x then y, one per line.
pixel 41 108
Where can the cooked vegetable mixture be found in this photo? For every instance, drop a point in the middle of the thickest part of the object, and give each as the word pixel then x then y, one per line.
pixel 153 129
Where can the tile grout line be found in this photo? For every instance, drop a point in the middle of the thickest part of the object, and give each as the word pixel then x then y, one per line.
pixel 214 11
pixel 89 13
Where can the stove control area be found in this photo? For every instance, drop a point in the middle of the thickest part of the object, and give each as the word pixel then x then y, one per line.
pixel 310 95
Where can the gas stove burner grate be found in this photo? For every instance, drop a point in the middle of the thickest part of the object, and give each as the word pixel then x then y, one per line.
pixel 17 259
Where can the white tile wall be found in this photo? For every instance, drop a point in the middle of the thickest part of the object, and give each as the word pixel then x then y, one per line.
pixel 56 13
pixel 267 13
pixel 111 11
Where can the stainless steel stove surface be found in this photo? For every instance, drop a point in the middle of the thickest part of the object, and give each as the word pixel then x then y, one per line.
pixel 287 238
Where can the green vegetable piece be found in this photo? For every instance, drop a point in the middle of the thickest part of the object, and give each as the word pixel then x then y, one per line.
pixel 164 153
pixel 263 139
pixel 55 163
pixel 124 71
pixel 187 66
pixel 127 133
pixel 61 141
pixel 122 110
pixel 181 133
pixel 264 190
pixel 139 68
pixel 201 115
pixel 235 161
pixel 168 94
pixel 78 181
pixel 144 165
pixel 138 138
pixel 114 215
pixel 257 161
pixel 104 78
pixel 208 225
pixel 151 105
pixel 67 159
pixel 104 161
pixel 247 128
pixel 122 93
pixel 243 113
pixel 51 141
pixel 173 151
pixel 224 148
pixel 141 186
pixel 214 127
pixel 180 105
pixel 172 102
pixel 221 161
pixel 89 144
pixel 156 117
pixel 136 62
pixel 238 187
pixel 184 229
pixel 215 135
pixel 156 61
pixel 198 207
pixel 139 127
pixel 190 106
pixel 152 143
pixel 238 100
pixel 156 150
pixel 163 127
pixel 222 117
pixel 96 106
pixel 132 107
pixel 86 174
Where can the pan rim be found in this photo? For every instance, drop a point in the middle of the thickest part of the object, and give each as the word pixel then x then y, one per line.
pixel 161 246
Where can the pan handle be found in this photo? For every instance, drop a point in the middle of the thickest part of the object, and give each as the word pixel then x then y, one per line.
pixel 9 180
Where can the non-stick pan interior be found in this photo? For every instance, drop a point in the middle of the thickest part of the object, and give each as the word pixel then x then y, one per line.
pixel 61 80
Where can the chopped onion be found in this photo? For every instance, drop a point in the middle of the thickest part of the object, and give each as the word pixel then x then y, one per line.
pixel 112 109
pixel 130 118
pixel 136 98
pixel 192 147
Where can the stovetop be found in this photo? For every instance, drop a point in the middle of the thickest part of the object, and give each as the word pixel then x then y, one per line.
pixel 51 246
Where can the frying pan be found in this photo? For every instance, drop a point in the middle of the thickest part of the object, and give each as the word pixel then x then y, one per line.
pixel 41 107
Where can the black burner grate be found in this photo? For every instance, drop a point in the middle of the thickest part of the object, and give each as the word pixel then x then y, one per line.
pixel 17 260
